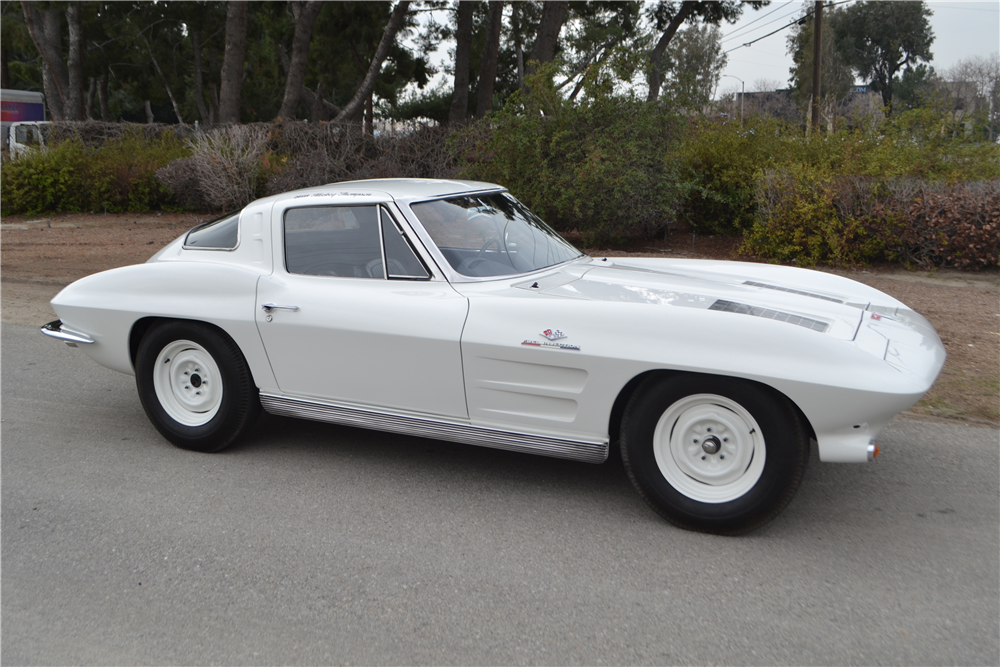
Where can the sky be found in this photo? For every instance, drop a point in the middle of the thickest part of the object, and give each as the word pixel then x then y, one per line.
pixel 961 30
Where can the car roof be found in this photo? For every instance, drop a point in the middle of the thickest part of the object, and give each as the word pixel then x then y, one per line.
pixel 386 189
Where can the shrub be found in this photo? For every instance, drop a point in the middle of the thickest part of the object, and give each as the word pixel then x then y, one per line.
pixel 68 176
pixel 49 180
pixel 606 166
pixel 231 166
pixel 808 216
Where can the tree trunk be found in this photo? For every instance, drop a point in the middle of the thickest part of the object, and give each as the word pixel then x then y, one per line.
pixel 311 99
pixel 352 108
pixel 515 24
pixel 463 56
pixel 232 62
pixel 199 85
pixel 317 113
pixel 488 60
pixel 74 97
pixel 46 32
pixel 305 14
pixel 553 17
pixel 213 105
pixel 102 97
pixel 149 113
pixel 369 128
pixel 88 99
pixel 4 67
pixel 655 75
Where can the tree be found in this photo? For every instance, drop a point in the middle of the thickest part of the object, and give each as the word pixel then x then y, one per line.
pixel 305 14
pixel 694 61
pixel 463 56
pixel 879 39
pixel 488 60
pixel 978 79
pixel 62 81
pixel 668 18
pixel 544 50
pixel 836 75
pixel 232 63
pixel 352 108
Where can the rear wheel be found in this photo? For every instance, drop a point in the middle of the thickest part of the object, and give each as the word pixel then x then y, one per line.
pixel 195 385
pixel 713 454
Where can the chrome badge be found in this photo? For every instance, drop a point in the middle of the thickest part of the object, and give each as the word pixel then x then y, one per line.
pixel 551 335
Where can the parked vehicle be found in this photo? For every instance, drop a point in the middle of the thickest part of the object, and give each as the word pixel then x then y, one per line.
pixel 447 309
pixel 21 113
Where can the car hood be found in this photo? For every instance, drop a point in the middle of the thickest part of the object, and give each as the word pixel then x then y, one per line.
pixel 822 302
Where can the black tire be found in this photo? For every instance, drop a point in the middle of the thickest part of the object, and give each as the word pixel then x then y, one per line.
pixel 191 416
pixel 682 486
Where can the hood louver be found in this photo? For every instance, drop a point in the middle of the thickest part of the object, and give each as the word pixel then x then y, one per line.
pixel 792 291
pixel 767 313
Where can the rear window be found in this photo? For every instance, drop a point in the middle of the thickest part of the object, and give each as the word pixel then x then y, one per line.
pixel 219 234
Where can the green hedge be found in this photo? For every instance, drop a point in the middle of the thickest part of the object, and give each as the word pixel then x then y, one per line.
pixel 70 177
pixel 607 167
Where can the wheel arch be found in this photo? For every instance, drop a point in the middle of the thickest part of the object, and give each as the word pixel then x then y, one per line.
pixel 141 326
pixel 626 393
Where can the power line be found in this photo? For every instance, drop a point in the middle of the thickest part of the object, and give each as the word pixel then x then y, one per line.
pixel 734 34
pixel 788 25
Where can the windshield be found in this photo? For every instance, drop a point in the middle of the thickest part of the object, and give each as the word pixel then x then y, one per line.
pixel 492 235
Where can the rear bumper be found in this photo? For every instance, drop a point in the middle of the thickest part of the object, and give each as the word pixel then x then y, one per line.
pixel 54 329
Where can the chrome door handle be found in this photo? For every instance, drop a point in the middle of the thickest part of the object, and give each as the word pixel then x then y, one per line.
pixel 268 307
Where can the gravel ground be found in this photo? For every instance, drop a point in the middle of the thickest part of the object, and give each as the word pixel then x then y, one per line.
pixel 41 255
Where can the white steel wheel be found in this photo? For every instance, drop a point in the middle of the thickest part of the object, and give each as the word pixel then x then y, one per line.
pixel 710 448
pixel 712 453
pixel 195 385
pixel 188 383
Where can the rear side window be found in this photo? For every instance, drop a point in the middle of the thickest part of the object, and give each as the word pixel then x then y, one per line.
pixel 220 234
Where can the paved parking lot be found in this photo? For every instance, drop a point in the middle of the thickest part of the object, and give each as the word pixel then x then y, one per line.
pixel 316 544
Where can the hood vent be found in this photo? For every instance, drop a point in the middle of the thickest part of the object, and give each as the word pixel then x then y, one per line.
pixel 767 313
pixel 792 291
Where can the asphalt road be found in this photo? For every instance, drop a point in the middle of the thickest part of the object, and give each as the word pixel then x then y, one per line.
pixel 317 544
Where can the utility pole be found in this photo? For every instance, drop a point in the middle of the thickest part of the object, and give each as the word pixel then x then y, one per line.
pixel 817 62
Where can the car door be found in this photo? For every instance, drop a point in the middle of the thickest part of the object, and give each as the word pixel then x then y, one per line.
pixel 340 328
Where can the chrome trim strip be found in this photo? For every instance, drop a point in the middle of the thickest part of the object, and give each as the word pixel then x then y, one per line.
pixel 588 452
pixel 54 330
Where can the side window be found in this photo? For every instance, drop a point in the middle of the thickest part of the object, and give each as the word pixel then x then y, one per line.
pixel 399 255
pixel 333 241
pixel 219 234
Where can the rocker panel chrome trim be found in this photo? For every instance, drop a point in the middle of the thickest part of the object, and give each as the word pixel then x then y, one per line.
pixel 588 452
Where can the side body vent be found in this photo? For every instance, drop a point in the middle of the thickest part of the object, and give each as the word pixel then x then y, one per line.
pixel 792 291
pixel 767 313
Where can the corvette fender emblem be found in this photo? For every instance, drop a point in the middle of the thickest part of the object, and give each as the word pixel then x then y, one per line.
pixel 551 335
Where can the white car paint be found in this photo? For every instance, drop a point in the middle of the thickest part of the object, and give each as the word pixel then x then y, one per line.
pixel 462 351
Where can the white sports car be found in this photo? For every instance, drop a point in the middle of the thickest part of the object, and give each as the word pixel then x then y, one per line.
pixel 446 309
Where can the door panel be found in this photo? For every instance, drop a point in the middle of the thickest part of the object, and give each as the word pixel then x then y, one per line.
pixel 381 343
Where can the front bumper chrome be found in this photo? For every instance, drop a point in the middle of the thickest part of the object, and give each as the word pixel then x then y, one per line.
pixel 54 329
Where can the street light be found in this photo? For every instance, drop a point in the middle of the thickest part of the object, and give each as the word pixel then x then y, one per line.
pixel 742 89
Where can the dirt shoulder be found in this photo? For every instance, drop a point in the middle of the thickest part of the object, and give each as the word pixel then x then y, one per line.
pixel 41 255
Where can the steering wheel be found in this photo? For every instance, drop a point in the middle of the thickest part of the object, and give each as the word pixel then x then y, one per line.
pixel 489 242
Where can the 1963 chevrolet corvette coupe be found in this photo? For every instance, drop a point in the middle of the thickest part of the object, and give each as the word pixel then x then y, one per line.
pixel 446 309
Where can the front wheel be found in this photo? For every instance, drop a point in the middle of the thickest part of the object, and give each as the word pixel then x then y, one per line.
pixel 713 454
pixel 195 385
